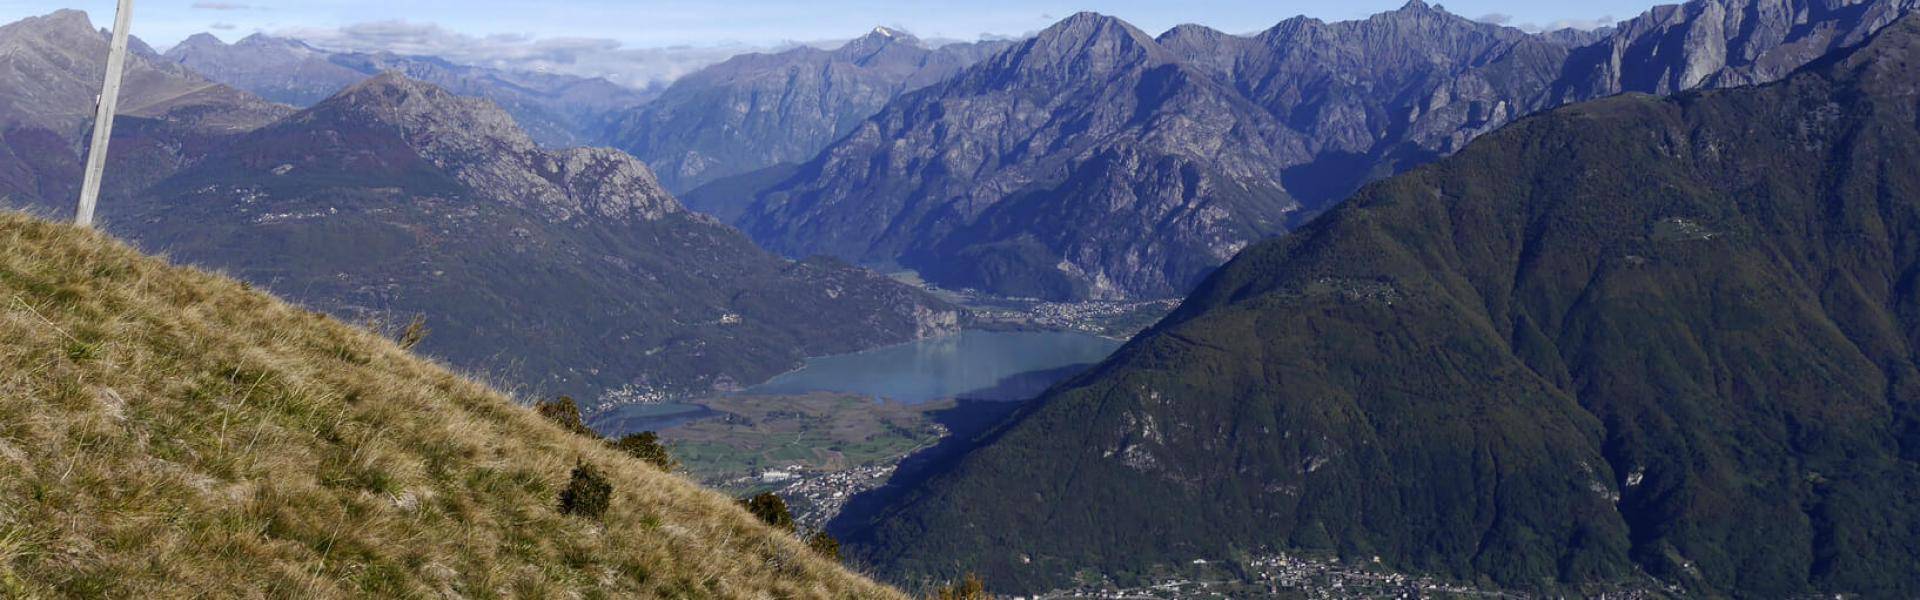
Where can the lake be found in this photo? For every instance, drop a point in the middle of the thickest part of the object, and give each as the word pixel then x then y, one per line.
pixel 978 365
pixel 974 365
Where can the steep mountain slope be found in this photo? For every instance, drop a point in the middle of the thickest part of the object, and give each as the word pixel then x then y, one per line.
pixel 50 72
pixel 1721 43
pixel 557 110
pixel 1417 79
pixel 1679 336
pixel 757 110
pixel 570 271
pixel 1345 103
pixel 170 433
pixel 1085 162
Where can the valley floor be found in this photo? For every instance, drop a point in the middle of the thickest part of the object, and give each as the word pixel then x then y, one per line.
pixel 1289 576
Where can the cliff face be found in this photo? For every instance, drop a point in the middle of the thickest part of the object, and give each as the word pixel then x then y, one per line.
pixel 1721 43
pixel 759 110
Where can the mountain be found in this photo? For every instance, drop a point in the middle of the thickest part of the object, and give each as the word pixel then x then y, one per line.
pixel 1222 141
pixel 1345 103
pixel 568 271
pixel 1371 95
pixel 173 433
pixel 558 110
pixel 758 110
pixel 51 68
pixel 279 69
pixel 1676 336
pixel 1721 43
pixel 1087 161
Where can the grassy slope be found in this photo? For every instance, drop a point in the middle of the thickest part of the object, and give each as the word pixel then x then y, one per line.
pixel 165 432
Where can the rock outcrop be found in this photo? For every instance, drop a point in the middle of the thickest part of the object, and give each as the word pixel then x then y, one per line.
pixel 759 110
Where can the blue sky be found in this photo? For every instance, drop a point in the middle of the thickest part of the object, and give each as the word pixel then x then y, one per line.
pixel 668 33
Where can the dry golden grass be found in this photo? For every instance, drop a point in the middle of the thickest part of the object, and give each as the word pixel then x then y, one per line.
pixel 169 433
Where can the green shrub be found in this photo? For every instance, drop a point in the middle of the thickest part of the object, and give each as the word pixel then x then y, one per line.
pixel 588 494
pixel 564 412
pixel 646 446
pixel 824 544
pixel 771 510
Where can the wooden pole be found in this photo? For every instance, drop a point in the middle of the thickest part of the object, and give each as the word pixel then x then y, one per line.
pixel 103 117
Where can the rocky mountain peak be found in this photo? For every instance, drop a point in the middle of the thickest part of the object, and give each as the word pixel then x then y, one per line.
pixel 880 40
pixel 481 146
pixel 883 34
pixel 1189 32
pixel 431 119
pixel 65 18
pixel 195 42
pixel 1083 45
pixel 64 26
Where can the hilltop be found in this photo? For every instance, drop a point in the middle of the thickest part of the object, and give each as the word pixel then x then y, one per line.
pixel 165 432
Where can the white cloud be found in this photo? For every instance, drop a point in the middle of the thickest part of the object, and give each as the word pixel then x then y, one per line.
pixel 1582 24
pixel 587 57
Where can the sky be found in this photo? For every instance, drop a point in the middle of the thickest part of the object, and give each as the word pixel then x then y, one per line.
pixel 644 41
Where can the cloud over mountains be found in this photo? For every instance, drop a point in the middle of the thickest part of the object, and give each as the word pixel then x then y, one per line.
pixel 582 56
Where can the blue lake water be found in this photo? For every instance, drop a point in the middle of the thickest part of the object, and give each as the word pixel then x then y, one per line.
pixel 978 365
pixel 973 365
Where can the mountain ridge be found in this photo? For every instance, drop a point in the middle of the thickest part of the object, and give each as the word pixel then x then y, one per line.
pixel 568 271
pixel 1670 336
pixel 757 110
pixel 1347 102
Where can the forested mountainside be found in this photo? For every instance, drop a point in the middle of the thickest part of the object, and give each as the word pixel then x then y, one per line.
pixel 1636 335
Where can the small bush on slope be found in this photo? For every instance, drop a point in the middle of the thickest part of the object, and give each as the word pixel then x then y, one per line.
pixel 588 494
pixel 166 433
pixel 771 509
pixel 646 446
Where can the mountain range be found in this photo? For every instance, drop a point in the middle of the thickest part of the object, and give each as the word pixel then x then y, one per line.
pixel 756 111
pixel 557 110
pixel 1636 336
pixel 566 271
pixel 559 271
pixel 52 66
pixel 1108 194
